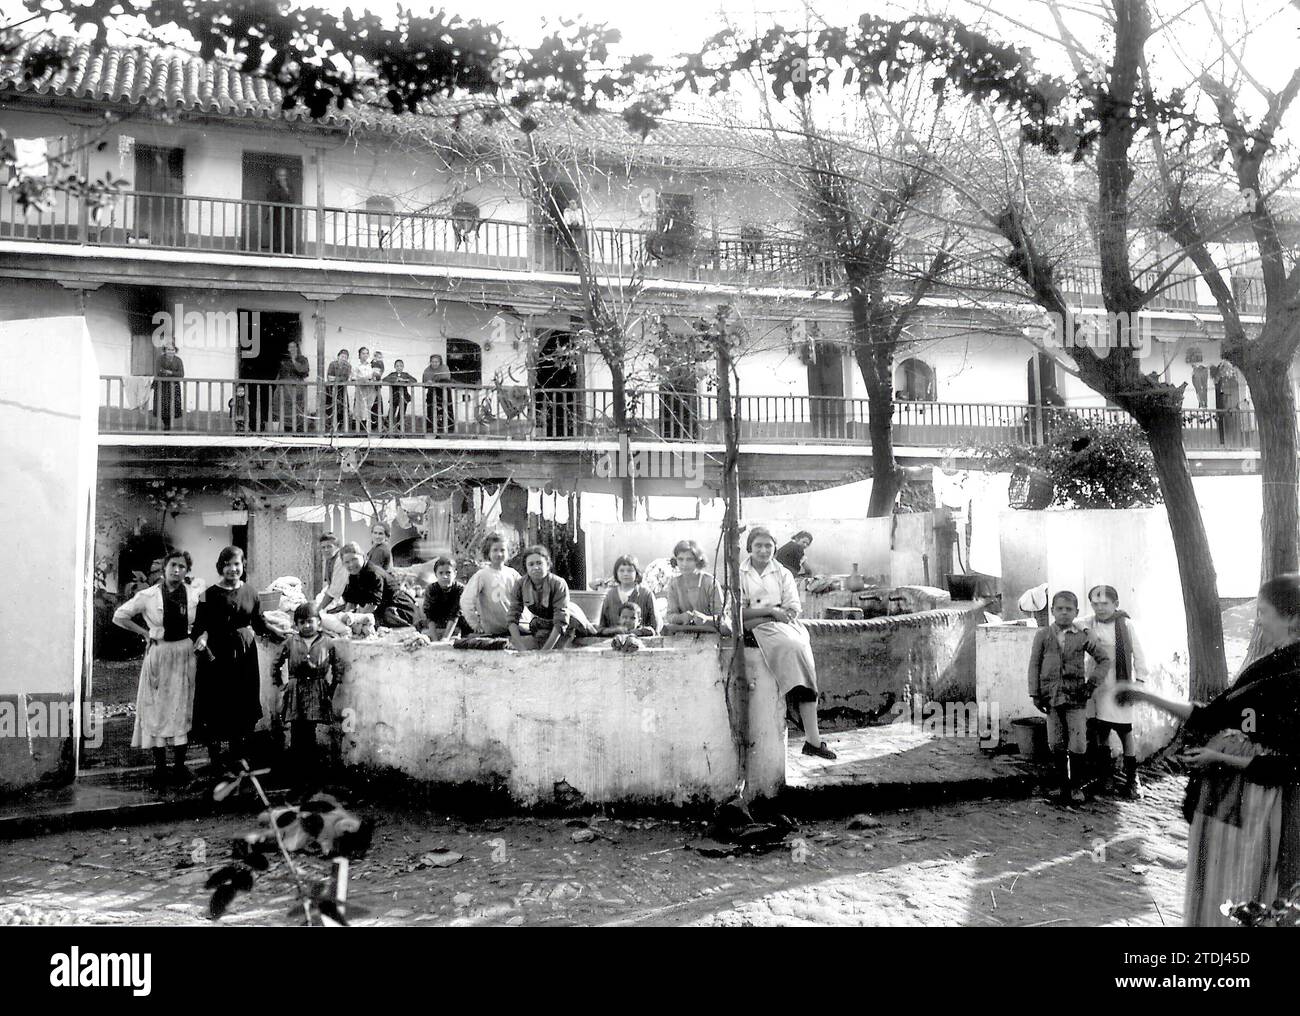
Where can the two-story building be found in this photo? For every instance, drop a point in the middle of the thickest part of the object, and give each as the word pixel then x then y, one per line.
pixel 242 230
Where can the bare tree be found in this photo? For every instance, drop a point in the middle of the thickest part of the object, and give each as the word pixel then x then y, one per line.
pixel 1204 206
pixel 1096 120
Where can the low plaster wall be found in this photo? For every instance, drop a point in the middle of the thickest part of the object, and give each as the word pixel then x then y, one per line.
pixel 647 727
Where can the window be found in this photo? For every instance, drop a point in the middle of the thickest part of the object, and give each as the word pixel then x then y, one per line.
pixel 914 381
pixel 464 362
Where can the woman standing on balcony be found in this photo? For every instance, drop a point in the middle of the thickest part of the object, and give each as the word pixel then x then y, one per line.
pixel 365 393
pixel 164 705
pixel 627 588
pixel 169 396
pixel 771 613
pixel 1244 800
pixel 228 692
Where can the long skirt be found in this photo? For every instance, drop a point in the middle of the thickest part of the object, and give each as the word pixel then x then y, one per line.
pixel 1244 842
pixel 164 704
pixel 228 689
pixel 787 652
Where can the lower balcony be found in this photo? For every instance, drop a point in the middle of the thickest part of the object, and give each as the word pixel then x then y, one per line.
pixel 287 409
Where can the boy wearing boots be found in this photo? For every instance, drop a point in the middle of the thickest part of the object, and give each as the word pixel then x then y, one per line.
pixel 1060 687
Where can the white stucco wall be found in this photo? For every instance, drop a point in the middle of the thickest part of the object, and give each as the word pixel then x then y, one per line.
pixel 647 727
pixel 47 442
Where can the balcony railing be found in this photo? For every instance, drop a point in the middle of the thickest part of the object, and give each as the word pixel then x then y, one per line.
pixel 131 405
pixel 228 225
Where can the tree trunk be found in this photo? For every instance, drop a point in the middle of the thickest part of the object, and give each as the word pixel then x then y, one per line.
pixel 618 384
pixel 875 356
pixel 1191 546
pixel 1275 414
pixel 886 476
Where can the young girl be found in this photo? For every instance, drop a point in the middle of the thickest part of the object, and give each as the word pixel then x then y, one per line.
pixel 627 588
pixel 1113 630
pixel 488 595
pixel 694 596
pixel 313 672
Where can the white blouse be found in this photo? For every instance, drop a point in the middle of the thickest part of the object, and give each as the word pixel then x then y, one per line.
pixel 1103 704
pixel 149 604
pixel 772 587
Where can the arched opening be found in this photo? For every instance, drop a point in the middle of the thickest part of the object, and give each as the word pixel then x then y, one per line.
pixel 914 381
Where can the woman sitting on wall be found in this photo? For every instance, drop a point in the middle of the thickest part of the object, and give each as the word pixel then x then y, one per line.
pixel 627 588
pixel 545 596
pixel 695 599
pixel 164 705
pixel 490 592
pixel 771 612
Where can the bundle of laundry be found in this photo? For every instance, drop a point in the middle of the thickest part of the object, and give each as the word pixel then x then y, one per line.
pixel 291 592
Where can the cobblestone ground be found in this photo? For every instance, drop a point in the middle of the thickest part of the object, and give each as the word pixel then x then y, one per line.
pixel 1014 863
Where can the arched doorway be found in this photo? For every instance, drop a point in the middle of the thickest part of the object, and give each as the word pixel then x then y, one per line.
pixel 914 381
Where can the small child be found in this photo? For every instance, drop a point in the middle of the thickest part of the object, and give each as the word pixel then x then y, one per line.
pixel 239 408
pixel 1060 687
pixel 442 618
pixel 629 621
pixel 313 673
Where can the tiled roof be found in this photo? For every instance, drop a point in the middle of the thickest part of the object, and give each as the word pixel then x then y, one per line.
pixel 176 81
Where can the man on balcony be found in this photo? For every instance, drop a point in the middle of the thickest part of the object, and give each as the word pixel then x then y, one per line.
pixel 337 374
pixel 292 400
pixel 399 394
pixel 281 220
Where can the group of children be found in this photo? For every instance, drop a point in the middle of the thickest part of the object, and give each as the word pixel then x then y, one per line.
pixel 308 669
pixel 1073 667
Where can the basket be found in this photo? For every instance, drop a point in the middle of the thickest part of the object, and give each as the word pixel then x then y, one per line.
pixel 1030 489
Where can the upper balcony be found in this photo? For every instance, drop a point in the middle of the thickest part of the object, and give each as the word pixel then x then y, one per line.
pixel 291 231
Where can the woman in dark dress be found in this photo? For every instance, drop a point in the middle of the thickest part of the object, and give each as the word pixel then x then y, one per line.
pixel 168 397
pixel 227 697
pixel 1244 800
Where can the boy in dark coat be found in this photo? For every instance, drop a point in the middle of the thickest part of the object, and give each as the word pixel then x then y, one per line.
pixel 1060 688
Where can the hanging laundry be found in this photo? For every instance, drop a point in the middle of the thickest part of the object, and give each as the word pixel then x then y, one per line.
pixel 32 158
